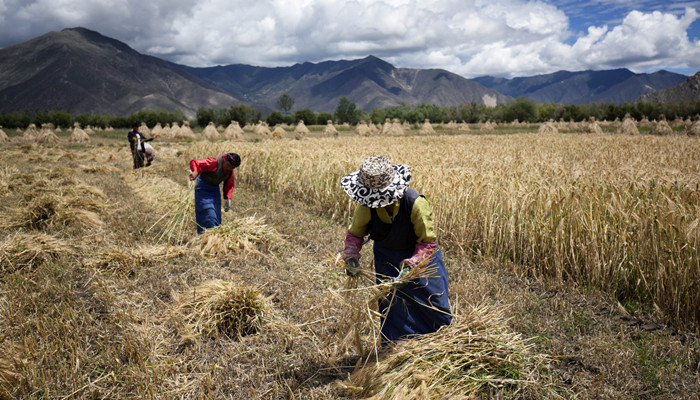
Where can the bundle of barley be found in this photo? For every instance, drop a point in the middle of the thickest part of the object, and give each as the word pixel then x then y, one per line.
pixel 175 224
pixel 157 130
pixel 301 129
pixel 3 136
pixel 175 131
pixel 330 130
pixel 645 123
pixel 694 129
pixel 427 128
pixel 662 128
pixel 127 261
pixel 262 129
pixel 220 128
pixel 362 129
pixel 49 211
pixel 165 132
pixel 628 126
pixel 474 357
pixel 79 135
pixel 186 131
pixel 386 128
pixel 143 129
pixel 548 128
pixel 47 136
pixel 486 127
pixel 278 132
pixel 30 133
pixel 242 235
pixel 373 128
pixel 406 126
pixel 233 131
pixel 221 308
pixel 590 126
pixel 12 364
pixel 210 132
pixel 396 128
pixel 89 130
pixel 26 250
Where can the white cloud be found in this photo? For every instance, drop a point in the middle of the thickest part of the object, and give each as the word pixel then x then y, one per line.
pixel 469 37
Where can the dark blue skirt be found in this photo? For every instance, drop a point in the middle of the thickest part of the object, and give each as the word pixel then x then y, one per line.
pixel 207 205
pixel 417 308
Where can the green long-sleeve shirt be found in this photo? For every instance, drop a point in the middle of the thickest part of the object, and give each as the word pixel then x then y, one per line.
pixel 421 217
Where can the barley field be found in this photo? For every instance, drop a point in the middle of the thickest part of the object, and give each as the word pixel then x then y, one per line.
pixel 572 259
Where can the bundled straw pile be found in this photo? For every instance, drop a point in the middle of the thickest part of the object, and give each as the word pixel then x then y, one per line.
pixel 262 129
pixel 47 136
pixel 362 129
pixel 694 129
pixel 662 128
pixel 628 126
pixel 330 130
pixel 233 131
pixel 221 308
pixel 475 357
pixel 548 128
pixel 27 250
pixel 301 129
pixel 246 234
pixel 210 132
pixel 278 132
pixel 127 260
pixel 590 126
pixel 79 135
pixel 3 136
pixel 427 128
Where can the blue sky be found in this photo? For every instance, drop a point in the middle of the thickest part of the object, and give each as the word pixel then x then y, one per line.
pixel 469 37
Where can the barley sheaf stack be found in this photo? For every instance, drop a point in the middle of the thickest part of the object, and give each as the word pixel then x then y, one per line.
pixel 662 128
pixel 262 129
pixel 233 131
pixel 301 129
pixel 330 130
pixel 628 126
pixel 548 128
pixel 278 132
pixel 427 128
pixel 694 129
pixel 79 135
pixel 362 129
pixel 210 132
pixel 3 136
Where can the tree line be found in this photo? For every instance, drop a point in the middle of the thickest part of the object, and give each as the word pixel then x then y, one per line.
pixel 521 109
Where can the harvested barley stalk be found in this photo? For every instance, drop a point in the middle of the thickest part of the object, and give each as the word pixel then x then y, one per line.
pixel 475 356
pixel 27 250
pixel 240 235
pixel 222 308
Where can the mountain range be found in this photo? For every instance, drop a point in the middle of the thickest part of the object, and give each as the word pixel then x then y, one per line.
pixel 81 71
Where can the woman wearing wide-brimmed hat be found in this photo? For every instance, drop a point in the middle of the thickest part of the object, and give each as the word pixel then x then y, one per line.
pixel 399 221
pixel 209 173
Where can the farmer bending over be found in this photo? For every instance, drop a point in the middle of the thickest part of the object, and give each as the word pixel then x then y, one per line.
pixel 400 222
pixel 209 173
pixel 137 142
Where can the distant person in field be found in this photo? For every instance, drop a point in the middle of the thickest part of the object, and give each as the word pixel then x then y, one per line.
pixel 399 221
pixel 139 152
pixel 209 173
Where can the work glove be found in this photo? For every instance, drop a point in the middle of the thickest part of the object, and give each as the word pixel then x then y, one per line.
pixel 422 252
pixel 227 205
pixel 352 267
pixel 353 245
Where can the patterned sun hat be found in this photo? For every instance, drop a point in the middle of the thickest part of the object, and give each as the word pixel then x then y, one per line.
pixel 377 183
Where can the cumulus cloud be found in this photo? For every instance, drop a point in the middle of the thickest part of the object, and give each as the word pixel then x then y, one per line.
pixel 472 37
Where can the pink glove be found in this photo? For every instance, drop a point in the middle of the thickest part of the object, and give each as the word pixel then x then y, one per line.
pixel 353 245
pixel 422 252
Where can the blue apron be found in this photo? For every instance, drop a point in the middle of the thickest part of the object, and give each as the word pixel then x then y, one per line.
pixel 207 205
pixel 417 308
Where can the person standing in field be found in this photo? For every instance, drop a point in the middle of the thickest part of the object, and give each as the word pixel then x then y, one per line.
pixel 399 221
pixel 137 142
pixel 209 173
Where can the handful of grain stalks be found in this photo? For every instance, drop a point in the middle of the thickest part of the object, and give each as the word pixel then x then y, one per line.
pixel 126 260
pixel 27 250
pixel 474 357
pixel 221 308
pixel 176 225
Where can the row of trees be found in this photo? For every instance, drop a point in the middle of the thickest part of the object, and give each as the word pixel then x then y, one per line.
pixel 65 120
pixel 522 109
